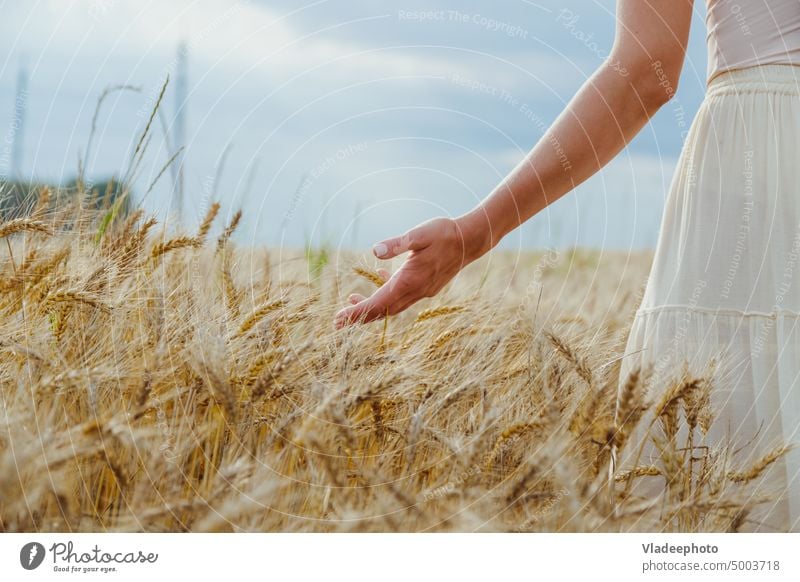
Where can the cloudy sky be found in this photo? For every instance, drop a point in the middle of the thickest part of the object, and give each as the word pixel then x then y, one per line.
pixel 336 121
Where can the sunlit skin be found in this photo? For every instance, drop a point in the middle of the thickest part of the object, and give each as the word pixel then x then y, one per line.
pixel 639 76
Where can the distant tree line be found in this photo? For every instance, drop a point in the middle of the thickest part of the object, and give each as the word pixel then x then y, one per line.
pixel 18 198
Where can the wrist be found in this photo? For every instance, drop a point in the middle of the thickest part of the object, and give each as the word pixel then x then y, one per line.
pixel 476 232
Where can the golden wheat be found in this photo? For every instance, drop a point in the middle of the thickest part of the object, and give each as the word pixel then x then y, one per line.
pixel 163 410
pixel 370 276
pixel 259 314
pixel 438 312
pixel 23 225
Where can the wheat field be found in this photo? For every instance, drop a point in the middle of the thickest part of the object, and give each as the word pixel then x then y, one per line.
pixel 155 379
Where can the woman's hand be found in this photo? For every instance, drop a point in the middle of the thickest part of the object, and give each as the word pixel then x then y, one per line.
pixel 439 249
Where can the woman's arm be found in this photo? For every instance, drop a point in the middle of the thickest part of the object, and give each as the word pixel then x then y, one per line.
pixel 640 75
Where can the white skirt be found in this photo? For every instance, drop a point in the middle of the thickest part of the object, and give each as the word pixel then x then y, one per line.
pixel 725 281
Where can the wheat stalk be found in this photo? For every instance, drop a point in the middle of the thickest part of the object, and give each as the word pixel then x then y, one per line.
pixel 229 230
pixel 78 297
pixel 259 314
pixel 759 466
pixel 180 242
pixel 18 225
pixel 370 276
pixel 646 471
pixel 205 226
pixel 572 357
pixel 432 313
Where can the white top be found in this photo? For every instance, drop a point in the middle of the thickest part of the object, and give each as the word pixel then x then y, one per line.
pixel 745 33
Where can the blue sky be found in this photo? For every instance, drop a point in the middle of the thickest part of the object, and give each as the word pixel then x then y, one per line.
pixel 344 121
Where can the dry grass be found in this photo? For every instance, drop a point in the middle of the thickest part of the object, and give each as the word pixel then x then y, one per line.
pixel 149 383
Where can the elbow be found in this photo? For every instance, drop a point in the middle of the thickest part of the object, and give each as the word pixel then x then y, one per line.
pixel 654 82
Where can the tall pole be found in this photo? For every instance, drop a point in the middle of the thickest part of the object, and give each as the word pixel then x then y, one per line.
pixel 18 121
pixel 179 137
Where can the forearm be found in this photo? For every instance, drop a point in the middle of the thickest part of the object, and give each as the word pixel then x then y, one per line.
pixel 605 114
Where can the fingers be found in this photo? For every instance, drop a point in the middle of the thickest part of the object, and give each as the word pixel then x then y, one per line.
pixel 415 239
pixel 385 301
pixel 402 289
pixel 392 247
pixel 362 312
pixel 355 298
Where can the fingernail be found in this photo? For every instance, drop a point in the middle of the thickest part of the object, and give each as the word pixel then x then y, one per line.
pixel 380 249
